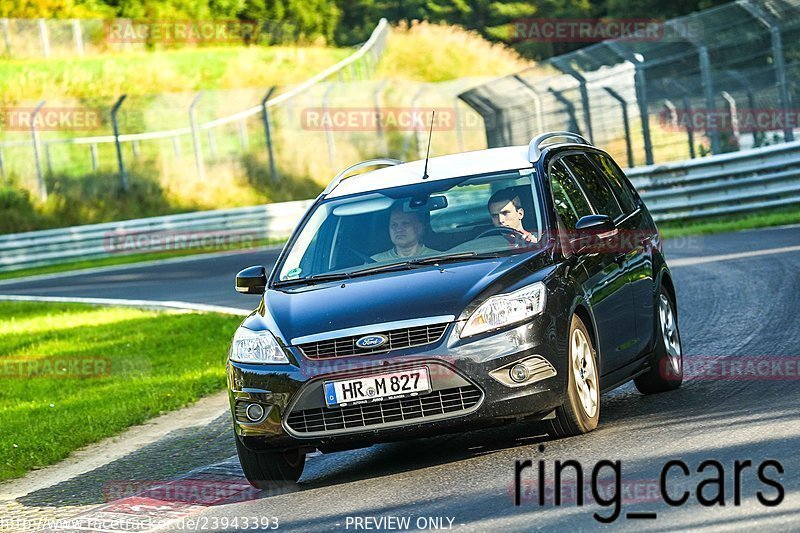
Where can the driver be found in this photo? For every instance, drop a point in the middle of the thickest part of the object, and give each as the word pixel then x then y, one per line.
pixel 506 210
pixel 405 230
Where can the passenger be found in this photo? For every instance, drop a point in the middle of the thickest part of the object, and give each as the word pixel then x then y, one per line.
pixel 405 231
pixel 506 210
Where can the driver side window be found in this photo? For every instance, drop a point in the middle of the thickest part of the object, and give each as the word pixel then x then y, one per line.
pixel 569 200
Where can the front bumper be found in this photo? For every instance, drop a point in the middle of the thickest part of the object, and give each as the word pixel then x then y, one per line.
pixel 464 395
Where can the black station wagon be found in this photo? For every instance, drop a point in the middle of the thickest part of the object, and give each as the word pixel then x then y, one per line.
pixel 440 295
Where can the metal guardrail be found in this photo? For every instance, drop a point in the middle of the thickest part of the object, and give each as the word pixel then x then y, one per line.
pixel 173 232
pixel 730 183
pixel 725 184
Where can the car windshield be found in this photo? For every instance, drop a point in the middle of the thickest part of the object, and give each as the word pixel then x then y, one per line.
pixel 453 219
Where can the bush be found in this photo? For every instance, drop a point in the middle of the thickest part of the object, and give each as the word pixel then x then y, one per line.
pixel 19 213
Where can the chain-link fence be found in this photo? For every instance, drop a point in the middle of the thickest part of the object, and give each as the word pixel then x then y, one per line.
pixel 717 81
pixel 199 142
pixel 208 149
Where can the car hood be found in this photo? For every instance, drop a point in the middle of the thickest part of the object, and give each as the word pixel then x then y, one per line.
pixel 391 296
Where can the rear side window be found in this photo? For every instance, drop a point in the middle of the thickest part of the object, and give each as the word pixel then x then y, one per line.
pixel 596 188
pixel 570 203
pixel 617 181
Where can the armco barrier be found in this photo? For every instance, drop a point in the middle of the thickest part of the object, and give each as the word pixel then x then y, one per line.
pixel 730 183
pixel 38 248
pixel 725 184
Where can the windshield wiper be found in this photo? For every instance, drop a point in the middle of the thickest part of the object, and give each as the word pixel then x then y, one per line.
pixel 311 279
pixel 391 267
pixel 462 256
pixel 422 261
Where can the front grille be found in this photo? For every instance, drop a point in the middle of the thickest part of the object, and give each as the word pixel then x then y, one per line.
pixel 435 404
pixel 397 338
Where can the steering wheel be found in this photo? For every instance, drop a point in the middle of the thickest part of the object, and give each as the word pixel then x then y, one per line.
pixel 500 230
pixel 363 257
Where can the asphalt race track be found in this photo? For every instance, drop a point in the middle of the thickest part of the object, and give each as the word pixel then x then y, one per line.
pixel 738 299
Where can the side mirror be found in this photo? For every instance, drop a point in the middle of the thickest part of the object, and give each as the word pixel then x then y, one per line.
pixel 252 280
pixel 589 232
pixel 595 224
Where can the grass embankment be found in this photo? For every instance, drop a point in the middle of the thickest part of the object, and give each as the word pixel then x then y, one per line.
pixel 728 223
pixel 72 374
pixel 148 73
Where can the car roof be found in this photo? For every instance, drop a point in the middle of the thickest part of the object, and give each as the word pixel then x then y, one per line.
pixel 439 168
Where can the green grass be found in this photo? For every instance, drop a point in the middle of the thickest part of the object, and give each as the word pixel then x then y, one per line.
pixel 728 223
pixel 148 73
pixel 124 259
pixel 435 52
pixel 158 362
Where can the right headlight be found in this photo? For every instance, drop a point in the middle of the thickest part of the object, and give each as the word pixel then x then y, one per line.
pixel 506 309
pixel 256 347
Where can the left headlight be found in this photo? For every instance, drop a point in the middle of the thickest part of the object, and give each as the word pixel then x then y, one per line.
pixel 256 347
pixel 506 309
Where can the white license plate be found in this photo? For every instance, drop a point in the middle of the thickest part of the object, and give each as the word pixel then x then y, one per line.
pixel 376 388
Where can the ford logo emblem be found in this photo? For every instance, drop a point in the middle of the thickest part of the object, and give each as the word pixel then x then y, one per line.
pixel 372 341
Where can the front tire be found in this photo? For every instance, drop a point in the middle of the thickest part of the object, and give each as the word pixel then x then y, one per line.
pixel 580 411
pixel 266 469
pixel 666 365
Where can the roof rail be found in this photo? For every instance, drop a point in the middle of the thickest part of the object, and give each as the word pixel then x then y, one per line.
pixel 534 150
pixel 350 171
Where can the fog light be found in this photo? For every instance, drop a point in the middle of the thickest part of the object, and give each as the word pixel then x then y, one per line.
pixel 519 373
pixel 254 412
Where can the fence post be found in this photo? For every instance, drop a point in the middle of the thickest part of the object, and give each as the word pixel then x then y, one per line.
pixel 413 130
pixel 625 123
pixel 569 71
pixel 733 113
pixel 76 32
pixel 44 37
pixel 37 153
pixel 459 130
pixel 708 91
pixel 176 146
pixel 687 108
pixel 328 133
pixel 273 172
pixel 198 154
pixel 93 155
pixel 537 99
pixel 123 177
pixel 640 82
pixel 673 112
pixel 573 121
pixel 48 159
pixel 376 104
pixel 212 142
pixel 778 58
pixel 7 36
